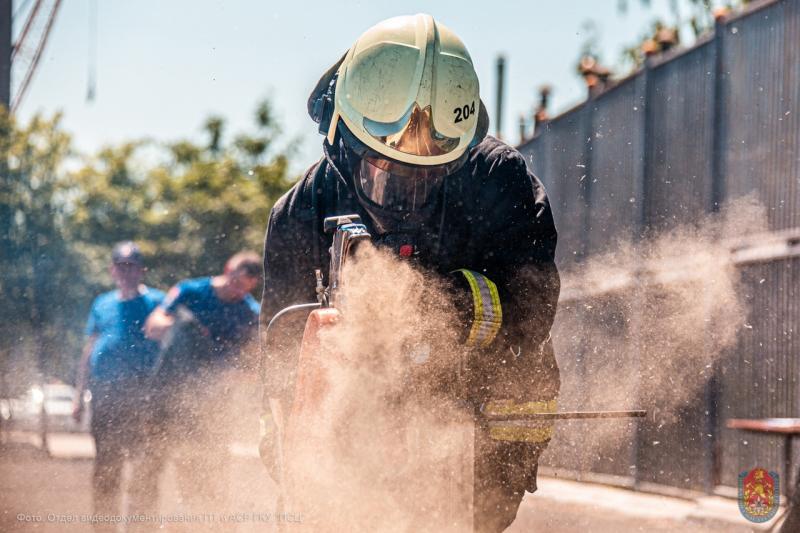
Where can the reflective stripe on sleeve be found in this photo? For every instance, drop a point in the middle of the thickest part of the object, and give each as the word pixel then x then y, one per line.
pixel 488 313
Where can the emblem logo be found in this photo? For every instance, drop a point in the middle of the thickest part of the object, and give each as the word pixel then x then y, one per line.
pixel 759 494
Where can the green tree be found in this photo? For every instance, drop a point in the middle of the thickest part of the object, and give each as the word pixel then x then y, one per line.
pixel 190 206
pixel 42 282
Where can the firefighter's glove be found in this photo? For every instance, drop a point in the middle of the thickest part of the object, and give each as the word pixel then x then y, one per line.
pixel 478 303
pixel 267 446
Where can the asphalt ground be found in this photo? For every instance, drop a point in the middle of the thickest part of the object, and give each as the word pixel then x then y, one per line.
pixel 53 493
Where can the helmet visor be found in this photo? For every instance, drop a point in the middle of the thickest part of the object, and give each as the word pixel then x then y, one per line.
pixel 393 185
pixel 400 187
pixel 413 133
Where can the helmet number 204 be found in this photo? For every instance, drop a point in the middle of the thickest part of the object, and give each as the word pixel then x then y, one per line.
pixel 463 113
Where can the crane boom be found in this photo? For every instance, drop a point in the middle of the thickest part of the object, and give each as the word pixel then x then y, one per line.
pixel 27 50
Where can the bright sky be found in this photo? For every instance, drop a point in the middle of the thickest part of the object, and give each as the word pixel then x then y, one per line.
pixel 163 66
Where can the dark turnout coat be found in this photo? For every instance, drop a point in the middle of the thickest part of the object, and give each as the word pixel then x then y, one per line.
pixel 492 217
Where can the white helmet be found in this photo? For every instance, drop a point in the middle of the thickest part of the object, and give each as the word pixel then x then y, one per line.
pixel 408 97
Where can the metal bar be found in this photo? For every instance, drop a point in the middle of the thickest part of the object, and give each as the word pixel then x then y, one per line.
pixel 24 33
pixel 6 216
pixel 567 415
pixel 501 74
pixel 777 248
pixel 750 9
pixel 6 48
pixel 712 392
pixel 718 136
pixel 291 309
pixel 787 467
pixel 586 184
pixel 640 228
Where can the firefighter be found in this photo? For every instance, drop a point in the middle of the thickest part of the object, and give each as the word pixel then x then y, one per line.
pixel 406 149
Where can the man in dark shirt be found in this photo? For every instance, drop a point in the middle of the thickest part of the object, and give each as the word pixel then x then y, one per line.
pixel 117 360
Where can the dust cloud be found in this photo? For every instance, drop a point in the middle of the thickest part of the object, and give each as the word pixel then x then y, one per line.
pixel 394 431
pixel 640 327
pixel 388 444
pixel 645 326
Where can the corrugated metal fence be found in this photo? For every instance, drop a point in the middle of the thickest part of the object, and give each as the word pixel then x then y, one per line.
pixel 675 141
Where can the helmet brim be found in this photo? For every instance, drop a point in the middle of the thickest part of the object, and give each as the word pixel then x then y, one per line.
pixel 481 130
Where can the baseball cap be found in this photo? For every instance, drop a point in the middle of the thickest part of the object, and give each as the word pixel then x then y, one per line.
pixel 126 252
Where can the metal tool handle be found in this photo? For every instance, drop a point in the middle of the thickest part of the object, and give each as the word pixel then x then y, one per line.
pixel 567 415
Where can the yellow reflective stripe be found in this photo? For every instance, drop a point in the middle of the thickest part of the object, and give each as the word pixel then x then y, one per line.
pixel 521 433
pixel 477 304
pixel 510 407
pixel 520 430
pixel 496 308
pixel 487 309
pixel 490 322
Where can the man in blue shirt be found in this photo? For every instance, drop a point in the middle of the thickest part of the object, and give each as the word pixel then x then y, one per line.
pixel 221 304
pixel 204 325
pixel 116 361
